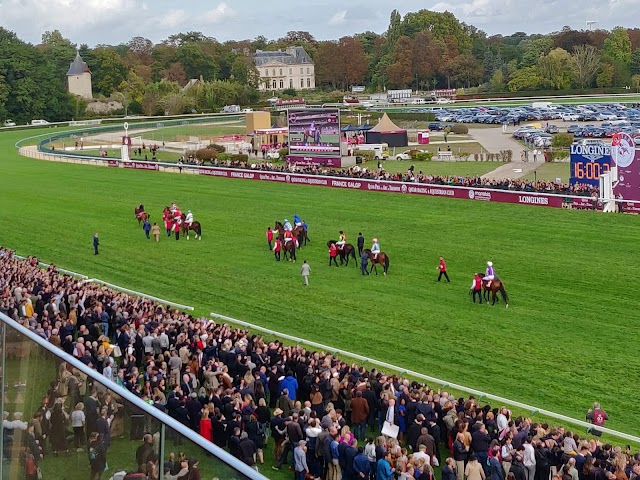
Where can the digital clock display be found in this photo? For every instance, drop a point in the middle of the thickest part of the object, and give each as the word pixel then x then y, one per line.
pixel 587 171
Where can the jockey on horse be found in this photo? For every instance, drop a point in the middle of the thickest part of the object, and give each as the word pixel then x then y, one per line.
pixel 188 219
pixel 375 248
pixel 343 240
pixel 287 225
pixel 296 220
pixel 490 274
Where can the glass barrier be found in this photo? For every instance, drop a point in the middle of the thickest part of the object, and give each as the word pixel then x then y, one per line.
pixel 58 423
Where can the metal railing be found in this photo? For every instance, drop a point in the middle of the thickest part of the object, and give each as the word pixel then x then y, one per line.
pixel 442 383
pixel 165 419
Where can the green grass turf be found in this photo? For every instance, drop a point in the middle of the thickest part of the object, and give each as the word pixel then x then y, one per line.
pixel 551 171
pixel 170 134
pixel 566 340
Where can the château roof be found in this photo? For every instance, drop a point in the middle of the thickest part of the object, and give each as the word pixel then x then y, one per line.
pixel 291 56
pixel 78 66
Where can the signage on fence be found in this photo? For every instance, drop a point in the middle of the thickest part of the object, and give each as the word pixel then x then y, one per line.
pixel 113 163
pixel 141 165
pixel 588 162
pixel 477 194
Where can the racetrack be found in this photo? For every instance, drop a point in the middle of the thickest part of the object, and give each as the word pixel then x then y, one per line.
pixel 567 339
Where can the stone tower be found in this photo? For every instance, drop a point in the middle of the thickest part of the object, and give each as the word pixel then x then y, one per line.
pixel 79 78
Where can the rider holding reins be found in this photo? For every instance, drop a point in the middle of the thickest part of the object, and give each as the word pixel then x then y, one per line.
pixel 189 218
pixel 343 240
pixel 490 274
pixel 375 249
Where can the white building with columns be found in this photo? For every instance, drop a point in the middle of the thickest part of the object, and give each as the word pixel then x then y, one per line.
pixel 291 68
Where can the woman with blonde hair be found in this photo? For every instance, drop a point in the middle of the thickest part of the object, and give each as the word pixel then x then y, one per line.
pixel 346 436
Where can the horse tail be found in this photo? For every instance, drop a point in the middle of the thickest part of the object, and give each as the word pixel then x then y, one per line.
pixel 504 293
pixel 386 262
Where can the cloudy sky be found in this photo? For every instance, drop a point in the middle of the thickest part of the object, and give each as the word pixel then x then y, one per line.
pixel 116 21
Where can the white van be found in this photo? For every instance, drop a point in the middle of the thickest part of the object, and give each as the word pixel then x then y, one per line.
pixel 543 105
pixel 39 122
pixel 380 150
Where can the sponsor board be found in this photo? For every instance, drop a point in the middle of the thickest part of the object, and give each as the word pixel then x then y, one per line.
pixel 477 194
pixel 113 163
pixel 141 165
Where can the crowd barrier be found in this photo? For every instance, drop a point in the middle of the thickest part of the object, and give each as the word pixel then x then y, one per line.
pixel 478 194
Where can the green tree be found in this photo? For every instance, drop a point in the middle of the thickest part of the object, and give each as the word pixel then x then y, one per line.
pixel 525 79
pixel 555 69
pixel 59 51
pixel 617 46
pixel 605 77
pixel 497 81
pixel 634 66
pixel 109 71
pixel 534 50
pixel 635 82
pixel 30 88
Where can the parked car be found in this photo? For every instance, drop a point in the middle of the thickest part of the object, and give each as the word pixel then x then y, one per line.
pixel 9 123
pixel 273 155
pixel 551 129
pixel 435 126
pixel 39 122
pixel 406 155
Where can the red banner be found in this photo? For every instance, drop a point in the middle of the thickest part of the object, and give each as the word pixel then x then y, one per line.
pixel 477 194
pixel 141 165
pixel 113 163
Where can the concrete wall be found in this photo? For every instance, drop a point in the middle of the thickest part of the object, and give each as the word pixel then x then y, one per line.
pixel 80 85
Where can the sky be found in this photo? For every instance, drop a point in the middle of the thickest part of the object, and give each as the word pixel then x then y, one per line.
pixel 116 21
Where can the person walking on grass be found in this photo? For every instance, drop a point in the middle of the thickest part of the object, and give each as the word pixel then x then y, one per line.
pixel 155 231
pixel 305 271
pixel 442 267
pixel 364 263
pixel 96 244
pixel 146 226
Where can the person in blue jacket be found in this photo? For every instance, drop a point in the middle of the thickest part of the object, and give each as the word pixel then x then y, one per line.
pixel 291 384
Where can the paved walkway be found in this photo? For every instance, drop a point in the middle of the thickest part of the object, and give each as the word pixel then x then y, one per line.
pixel 494 140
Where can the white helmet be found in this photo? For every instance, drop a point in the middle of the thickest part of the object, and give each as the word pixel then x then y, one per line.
pixel 490 264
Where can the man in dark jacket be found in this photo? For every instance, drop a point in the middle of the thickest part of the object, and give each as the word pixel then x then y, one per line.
pixel 145 453
pixel 360 244
pixel 480 441
pixel 247 449
pixel 517 467
pixel 361 465
pixel 96 243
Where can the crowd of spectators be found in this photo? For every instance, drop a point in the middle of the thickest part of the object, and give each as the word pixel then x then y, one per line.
pixel 326 417
pixel 411 176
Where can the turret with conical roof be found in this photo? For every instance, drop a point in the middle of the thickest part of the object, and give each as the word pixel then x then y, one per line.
pixel 79 77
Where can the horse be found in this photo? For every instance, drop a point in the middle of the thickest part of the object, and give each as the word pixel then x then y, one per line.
pixel 301 234
pixel 195 226
pixel 289 248
pixel 141 215
pixel 347 251
pixel 496 286
pixel 382 259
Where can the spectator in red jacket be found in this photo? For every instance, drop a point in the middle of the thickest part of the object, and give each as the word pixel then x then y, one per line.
pixel 333 253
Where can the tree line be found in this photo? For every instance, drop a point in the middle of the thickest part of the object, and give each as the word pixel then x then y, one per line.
pixel 420 50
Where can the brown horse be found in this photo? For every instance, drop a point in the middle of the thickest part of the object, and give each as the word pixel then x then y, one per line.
pixel 382 259
pixel 301 234
pixel 496 286
pixel 141 215
pixel 195 226
pixel 289 248
pixel 347 251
